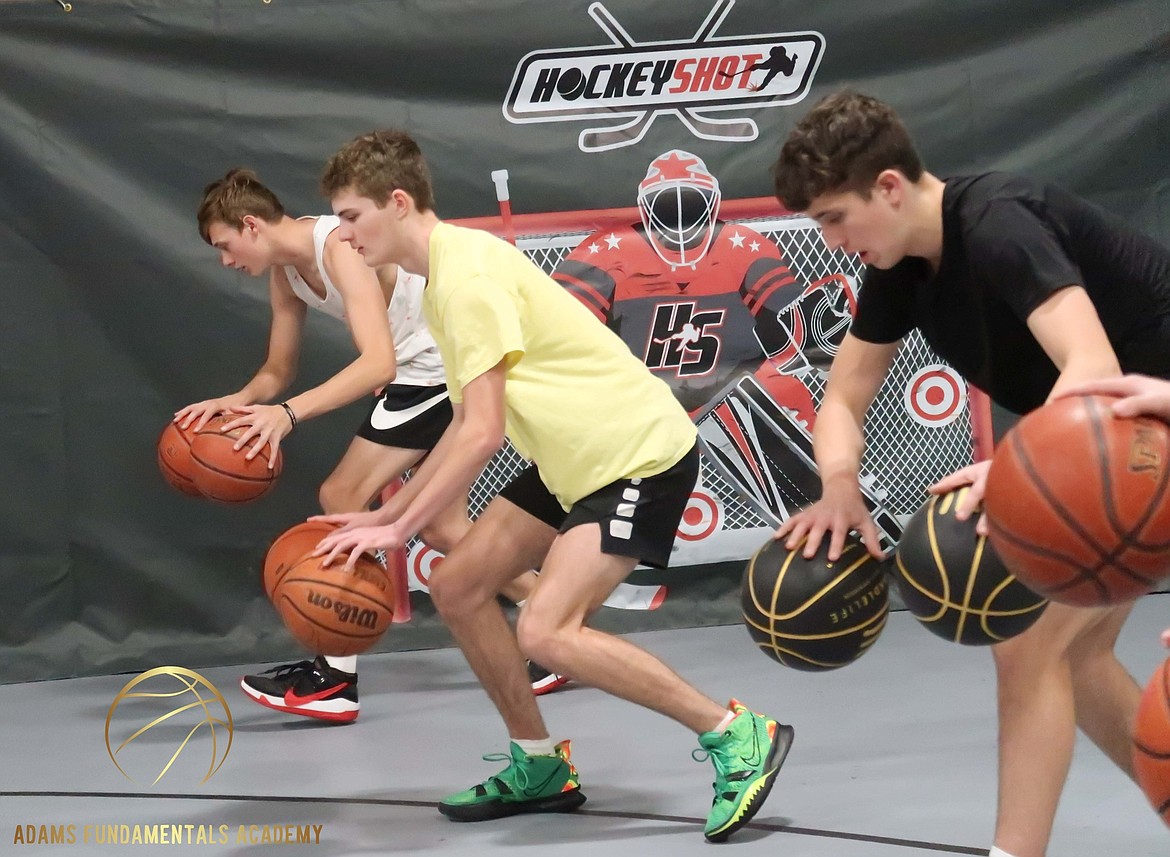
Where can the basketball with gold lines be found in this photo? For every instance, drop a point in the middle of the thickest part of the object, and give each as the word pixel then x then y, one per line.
pixel 813 614
pixel 953 581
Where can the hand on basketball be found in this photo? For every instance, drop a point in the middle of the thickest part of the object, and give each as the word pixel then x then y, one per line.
pixel 265 424
pixel 1137 395
pixel 196 415
pixel 836 514
pixel 974 475
pixel 357 541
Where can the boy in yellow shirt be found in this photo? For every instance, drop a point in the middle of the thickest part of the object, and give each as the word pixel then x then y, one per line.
pixel 613 463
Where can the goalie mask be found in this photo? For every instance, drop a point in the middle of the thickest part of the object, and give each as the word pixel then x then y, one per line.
pixel 679 201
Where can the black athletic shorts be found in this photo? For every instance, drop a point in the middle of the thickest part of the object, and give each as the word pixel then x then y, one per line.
pixel 638 517
pixel 408 416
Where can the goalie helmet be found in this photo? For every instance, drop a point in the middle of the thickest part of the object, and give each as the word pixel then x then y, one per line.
pixel 679 202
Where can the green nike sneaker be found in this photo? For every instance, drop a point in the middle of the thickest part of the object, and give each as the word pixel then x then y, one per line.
pixel 747 756
pixel 528 784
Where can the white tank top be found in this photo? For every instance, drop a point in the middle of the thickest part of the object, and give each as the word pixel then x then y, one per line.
pixel 415 351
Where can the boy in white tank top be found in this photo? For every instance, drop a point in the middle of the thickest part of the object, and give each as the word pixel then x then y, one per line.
pixel 308 267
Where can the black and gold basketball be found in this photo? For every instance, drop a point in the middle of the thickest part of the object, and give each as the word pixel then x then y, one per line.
pixel 952 580
pixel 812 614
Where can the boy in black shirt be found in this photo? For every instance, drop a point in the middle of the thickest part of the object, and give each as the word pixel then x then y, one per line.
pixel 1027 291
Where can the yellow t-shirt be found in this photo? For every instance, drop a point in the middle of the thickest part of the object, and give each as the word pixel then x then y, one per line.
pixel 577 402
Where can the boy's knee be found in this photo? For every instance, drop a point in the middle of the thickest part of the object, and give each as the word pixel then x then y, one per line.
pixel 455 594
pixel 438 536
pixel 1020 658
pixel 336 495
pixel 547 637
pixel 1096 640
pixel 444 591
pixel 536 638
pixel 1092 652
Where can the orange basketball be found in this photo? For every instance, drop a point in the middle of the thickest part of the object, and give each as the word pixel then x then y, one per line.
pixel 333 611
pixel 1078 502
pixel 174 458
pixel 289 548
pixel 1151 741
pixel 225 474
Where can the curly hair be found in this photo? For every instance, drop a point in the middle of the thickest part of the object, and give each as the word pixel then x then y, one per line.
pixel 842 145
pixel 236 195
pixel 377 164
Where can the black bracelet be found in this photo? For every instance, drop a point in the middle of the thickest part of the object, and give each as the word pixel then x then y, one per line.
pixel 292 418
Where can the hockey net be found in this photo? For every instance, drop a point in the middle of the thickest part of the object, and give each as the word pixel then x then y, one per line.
pixel 919 429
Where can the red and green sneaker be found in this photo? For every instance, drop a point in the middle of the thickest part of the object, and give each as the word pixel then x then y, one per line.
pixel 528 784
pixel 747 756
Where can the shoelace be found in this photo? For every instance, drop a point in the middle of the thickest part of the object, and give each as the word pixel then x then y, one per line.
pixel 285 670
pixel 719 757
pixel 521 774
pixel 721 761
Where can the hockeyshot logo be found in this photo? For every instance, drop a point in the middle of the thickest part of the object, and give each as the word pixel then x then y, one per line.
pixel 639 81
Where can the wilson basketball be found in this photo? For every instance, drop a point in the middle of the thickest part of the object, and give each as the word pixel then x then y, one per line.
pixel 174 458
pixel 289 548
pixel 1078 502
pixel 333 611
pixel 954 583
pixel 223 473
pixel 1151 742
pixel 812 614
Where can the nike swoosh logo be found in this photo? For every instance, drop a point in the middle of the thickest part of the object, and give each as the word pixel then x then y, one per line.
pixel 383 418
pixel 756 757
pixel 534 792
pixel 291 697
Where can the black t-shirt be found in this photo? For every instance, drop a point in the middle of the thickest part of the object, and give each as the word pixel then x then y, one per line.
pixel 1009 243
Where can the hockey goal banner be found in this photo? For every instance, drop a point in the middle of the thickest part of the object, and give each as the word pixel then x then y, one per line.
pixel 756 464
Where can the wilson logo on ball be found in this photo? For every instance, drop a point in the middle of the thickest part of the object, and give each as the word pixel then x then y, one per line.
pixel 351 613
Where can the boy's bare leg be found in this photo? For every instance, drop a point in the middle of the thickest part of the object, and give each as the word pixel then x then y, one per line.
pixel 504 543
pixel 364 470
pixel 1038 717
pixel 575 579
pixel 300 687
pixel 746 748
pixel 1107 696
pixel 367 467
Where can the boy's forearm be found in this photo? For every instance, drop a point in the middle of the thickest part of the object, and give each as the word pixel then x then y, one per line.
pixel 838 445
pixel 356 380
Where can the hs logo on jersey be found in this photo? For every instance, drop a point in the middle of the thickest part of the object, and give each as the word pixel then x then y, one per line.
pixel 682 339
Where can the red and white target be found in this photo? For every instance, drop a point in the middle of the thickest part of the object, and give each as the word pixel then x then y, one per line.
pixel 935 395
pixel 421 561
pixel 702 516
